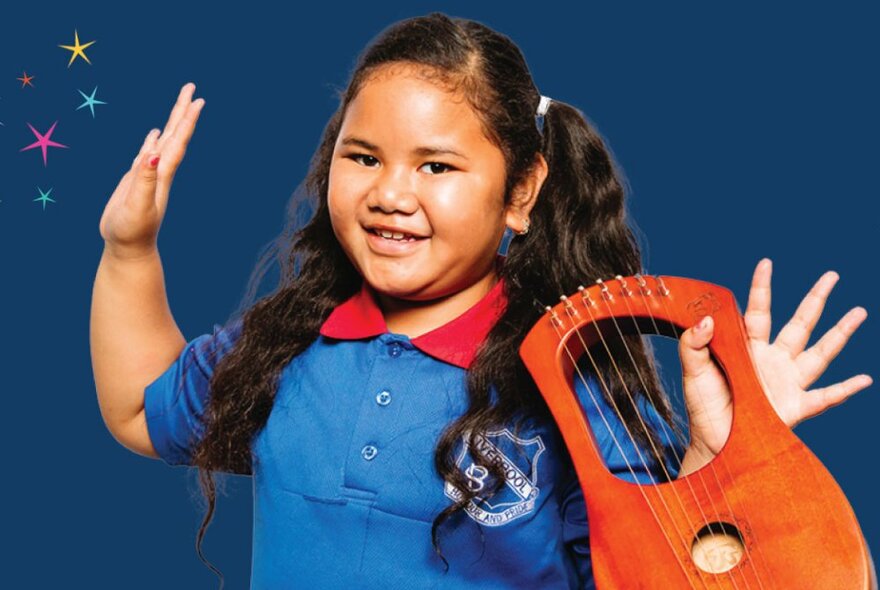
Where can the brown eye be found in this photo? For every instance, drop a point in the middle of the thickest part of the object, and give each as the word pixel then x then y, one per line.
pixel 357 157
pixel 443 166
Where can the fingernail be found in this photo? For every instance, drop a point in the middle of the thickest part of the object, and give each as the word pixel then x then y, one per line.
pixel 154 161
pixel 704 323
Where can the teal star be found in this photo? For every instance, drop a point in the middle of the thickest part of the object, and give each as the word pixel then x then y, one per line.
pixel 44 197
pixel 90 101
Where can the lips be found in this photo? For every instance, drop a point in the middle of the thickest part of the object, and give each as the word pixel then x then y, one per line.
pixel 393 229
pixel 407 237
pixel 392 247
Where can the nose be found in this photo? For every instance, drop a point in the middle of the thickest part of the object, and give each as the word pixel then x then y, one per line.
pixel 393 192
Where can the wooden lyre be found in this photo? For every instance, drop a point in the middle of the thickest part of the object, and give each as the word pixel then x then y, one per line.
pixel 764 514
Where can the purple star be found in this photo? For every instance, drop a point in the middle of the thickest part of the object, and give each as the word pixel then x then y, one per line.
pixel 43 141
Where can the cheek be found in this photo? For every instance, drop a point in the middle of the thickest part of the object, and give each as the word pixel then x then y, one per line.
pixel 340 203
pixel 467 212
pixel 341 221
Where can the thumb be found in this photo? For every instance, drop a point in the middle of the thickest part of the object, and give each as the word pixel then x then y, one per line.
pixel 693 348
pixel 143 190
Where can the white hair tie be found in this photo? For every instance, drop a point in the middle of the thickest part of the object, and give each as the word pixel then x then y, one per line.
pixel 544 105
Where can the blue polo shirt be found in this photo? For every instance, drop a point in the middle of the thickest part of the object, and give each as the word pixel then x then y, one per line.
pixel 345 488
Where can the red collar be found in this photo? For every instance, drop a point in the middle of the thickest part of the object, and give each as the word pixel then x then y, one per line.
pixel 455 342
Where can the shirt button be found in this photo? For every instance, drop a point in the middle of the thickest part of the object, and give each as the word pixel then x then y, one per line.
pixel 384 398
pixel 395 350
pixel 368 452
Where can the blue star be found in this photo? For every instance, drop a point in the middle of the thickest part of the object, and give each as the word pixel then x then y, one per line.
pixel 44 197
pixel 90 101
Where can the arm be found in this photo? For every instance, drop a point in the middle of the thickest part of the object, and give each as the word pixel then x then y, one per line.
pixel 133 339
pixel 132 334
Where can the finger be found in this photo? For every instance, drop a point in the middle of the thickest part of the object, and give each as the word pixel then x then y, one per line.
pixel 757 315
pixel 184 99
pixel 813 362
pixel 149 143
pixel 817 401
pixel 151 137
pixel 142 194
pixel 174 150
pixel 796 333
pixel 179 139
pixel 693 349
pixel 187 124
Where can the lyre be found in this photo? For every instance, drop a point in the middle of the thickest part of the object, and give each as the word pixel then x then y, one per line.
pixel 795 525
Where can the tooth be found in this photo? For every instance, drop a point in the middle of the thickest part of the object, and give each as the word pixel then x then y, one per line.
pixel 397 235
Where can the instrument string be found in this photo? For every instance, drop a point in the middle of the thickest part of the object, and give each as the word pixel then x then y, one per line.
pixel 711 465
pixel 644 291
pixel 588 303
pixel 556 322
pixel 666 433
pixel 627 294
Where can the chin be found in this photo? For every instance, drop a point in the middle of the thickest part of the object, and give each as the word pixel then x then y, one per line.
pixel 398 288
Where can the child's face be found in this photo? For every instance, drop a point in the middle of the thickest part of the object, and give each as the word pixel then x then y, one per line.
pixel 453 203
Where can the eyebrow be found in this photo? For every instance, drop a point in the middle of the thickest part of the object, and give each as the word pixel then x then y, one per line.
pixel 425 150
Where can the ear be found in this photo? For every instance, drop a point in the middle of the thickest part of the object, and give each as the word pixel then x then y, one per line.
pixel 525 194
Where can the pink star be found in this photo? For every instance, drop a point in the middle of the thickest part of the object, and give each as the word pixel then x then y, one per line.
pixel 43 141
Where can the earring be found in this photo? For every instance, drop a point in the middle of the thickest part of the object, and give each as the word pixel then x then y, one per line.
pixel 525 229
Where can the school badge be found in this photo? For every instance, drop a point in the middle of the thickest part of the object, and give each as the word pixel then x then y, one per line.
pixel 518 458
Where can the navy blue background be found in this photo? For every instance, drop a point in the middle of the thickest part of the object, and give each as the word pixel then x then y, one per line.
pixel 743 132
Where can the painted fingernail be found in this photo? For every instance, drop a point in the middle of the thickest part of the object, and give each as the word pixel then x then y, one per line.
pixel 154 161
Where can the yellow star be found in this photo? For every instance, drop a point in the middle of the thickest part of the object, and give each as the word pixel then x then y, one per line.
pixel 77 49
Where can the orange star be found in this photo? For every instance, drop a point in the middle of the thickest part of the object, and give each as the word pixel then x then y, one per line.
pixel 77 49
pixel 26 80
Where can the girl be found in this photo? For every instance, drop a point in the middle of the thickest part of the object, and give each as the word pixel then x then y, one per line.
pixel 377 396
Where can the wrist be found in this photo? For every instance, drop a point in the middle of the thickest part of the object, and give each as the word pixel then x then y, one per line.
pixel 130 253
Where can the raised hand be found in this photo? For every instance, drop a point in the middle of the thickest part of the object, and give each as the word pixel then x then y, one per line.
pixel 132 217
pixel 786 367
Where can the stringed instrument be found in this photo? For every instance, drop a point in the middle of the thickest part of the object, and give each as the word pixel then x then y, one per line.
pixel 763 514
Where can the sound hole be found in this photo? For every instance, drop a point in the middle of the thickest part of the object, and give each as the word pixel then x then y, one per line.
pixel 717 548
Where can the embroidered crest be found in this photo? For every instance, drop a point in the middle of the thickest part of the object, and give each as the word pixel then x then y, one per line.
pixel 518 458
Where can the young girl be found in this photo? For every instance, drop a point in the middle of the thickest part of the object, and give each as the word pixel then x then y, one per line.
pixel 377 395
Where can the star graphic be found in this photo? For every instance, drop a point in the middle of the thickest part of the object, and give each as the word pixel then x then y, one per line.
pixel 44 197
pixel 90 101
pixel 77 49
pixel 26 80
pixel 43 141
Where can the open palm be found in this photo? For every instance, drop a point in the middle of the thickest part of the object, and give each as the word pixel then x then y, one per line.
pixel 786 368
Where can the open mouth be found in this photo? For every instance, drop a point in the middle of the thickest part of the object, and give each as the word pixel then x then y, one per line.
pixel 395 236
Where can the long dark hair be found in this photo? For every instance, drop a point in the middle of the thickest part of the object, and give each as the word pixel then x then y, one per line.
pixel 578 232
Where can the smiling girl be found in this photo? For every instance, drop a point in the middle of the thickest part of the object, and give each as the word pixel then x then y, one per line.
pixel 376 396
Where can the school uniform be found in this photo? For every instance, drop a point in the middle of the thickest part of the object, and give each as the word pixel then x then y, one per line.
pixel 345 488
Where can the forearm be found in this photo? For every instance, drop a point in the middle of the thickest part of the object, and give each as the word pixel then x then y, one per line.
pixel 133 335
